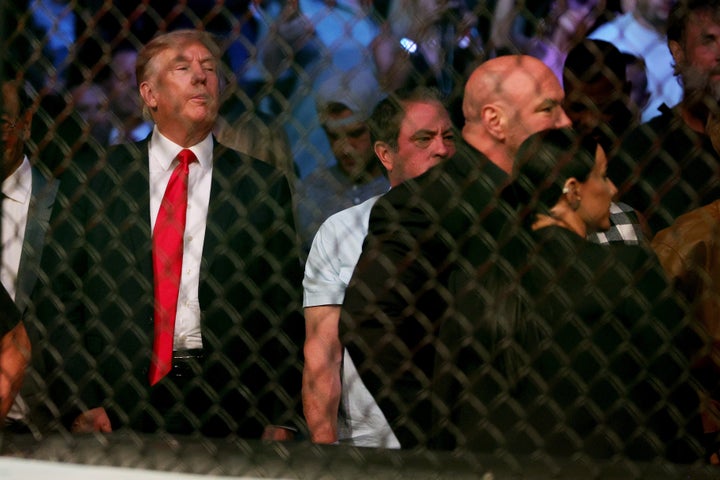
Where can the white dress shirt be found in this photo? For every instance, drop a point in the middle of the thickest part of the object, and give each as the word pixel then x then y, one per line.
pixel 162 153
pixel 16 189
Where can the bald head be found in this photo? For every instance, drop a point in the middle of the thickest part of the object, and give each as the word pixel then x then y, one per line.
pixel 506 100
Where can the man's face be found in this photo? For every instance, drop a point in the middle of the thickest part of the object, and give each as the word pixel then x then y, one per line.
pixel 15 128
pixel 698 61
pixel 182 91
pixel 597 108
pixel 92 106
pixel 654 12
pixel 534 102
pixel 124 99
pixel 425 139
pixel 351 144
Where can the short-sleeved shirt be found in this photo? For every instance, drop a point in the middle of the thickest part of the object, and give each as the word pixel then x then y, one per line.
pixel 328 191
pixel 330 264
pixel 333 255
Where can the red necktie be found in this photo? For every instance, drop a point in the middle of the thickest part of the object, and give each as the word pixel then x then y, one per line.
pixel 167 254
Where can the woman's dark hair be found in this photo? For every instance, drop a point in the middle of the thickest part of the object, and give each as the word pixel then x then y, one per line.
pixel 542 165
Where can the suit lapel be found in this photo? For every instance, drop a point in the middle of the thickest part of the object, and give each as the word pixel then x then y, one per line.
pixel 136 183
pixel 216 221
pixel 42 200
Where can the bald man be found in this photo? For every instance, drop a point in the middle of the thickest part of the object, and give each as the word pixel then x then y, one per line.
pixel 420 232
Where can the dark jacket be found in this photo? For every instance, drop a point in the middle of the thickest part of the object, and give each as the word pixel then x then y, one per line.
pixel 97 303
pixel 574 347
pixel 690 254
pixel 399 294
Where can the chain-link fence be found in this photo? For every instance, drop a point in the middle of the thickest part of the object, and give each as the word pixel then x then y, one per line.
pixel 480 351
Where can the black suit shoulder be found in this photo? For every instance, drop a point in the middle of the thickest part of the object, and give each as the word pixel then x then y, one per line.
pixel 665 169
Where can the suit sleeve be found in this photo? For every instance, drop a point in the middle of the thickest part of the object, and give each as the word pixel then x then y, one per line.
pixel 10 316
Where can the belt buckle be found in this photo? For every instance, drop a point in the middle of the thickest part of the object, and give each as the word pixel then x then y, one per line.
pixel 186 363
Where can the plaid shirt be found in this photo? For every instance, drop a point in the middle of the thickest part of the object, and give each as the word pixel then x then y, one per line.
pixel 624 227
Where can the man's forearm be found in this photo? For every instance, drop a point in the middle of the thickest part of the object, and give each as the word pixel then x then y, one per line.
pixel 321 399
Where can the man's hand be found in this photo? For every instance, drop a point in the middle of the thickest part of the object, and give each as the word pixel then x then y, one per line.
pixel 95 420
pixel 275 433
pixel 14 357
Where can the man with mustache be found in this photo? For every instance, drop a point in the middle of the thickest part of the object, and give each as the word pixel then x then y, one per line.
pixel 671 164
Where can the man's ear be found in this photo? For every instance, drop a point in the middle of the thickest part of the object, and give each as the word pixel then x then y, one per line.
pixel 493 118
pixel 148 95
pixel 385 155
pixel 677 52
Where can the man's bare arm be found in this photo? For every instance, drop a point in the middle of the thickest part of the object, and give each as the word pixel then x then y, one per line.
pixel 321 375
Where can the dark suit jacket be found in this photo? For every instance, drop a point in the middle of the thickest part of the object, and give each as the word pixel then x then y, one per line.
pixel 399 295
pixel 99 302
pixel 569 347
pixel 10 316
pixel 42 199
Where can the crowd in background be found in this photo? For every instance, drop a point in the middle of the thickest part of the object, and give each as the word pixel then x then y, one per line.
pixel 303 86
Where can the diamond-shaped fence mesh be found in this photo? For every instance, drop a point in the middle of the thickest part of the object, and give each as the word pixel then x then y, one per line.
pixel 467 344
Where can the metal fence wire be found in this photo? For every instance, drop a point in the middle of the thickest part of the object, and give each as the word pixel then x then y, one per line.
pixel 498 354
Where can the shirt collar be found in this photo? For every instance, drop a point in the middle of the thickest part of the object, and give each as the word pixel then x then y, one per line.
pixel 167 150
pixel 18 186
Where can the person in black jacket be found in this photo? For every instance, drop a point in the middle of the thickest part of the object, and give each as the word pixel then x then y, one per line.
pixel 575 347
pixel 399 295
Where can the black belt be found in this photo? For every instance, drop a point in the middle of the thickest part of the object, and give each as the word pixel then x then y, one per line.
pixel 16 426
pixel 187 363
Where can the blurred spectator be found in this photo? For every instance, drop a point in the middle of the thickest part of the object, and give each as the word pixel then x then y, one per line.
pixel 255 133
pixel 344 104
pixel 671 165
pixel 518 26
pixel 92 106
pixel 598 94
pixel 286 66
pixel 428 43
pixel 571 21
pixel 641 33
pixel 55 20
pixel 124 101
pixel 345 27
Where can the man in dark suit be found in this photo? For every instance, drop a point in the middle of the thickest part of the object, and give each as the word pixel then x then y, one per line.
pixel 28 200
pixel 420 232
pixel 215 358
